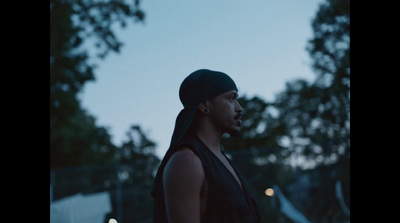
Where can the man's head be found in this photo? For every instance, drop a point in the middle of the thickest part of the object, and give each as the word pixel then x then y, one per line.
pixel 223 112
pixel 213 97
pixel 204 84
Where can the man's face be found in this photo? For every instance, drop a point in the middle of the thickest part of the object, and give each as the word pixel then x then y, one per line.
pixel 225 112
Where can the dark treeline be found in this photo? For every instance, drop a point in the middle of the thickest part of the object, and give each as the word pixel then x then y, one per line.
pixel 299 141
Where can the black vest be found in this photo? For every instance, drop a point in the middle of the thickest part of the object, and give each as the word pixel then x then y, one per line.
pixel 226 201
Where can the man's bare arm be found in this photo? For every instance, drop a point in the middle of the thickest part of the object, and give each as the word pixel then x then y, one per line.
pixel 183 178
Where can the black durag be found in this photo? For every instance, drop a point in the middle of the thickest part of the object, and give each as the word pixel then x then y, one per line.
pixel 197 87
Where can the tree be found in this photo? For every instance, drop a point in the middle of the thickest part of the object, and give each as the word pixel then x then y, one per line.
pixel 75 139
pixel 139 149
pixel 314 117
pixel 305 132
pixel 317 115
pixel 138 162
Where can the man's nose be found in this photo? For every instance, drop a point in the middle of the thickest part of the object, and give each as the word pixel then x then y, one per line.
pixel 238 107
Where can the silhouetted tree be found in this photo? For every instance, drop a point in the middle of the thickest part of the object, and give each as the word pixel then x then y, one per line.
pixel 137 159
pixel 139 149
pixel 75 139
pixel 317 115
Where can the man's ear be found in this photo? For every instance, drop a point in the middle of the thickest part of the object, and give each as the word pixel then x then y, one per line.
pixel 203 107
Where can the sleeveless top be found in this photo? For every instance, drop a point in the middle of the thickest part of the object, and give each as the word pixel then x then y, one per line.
pixel 227 202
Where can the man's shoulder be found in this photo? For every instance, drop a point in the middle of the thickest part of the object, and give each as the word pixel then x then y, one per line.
pixel 183 168
pixel 185 156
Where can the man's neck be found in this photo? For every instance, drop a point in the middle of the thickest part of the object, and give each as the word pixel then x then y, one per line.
pixel 211 138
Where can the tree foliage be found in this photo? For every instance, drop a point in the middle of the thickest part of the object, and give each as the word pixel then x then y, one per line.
pixel 75 139
pixel 139 149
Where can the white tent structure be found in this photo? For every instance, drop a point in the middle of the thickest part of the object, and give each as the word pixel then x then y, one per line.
pixel 91 208
pixel 296 216
pixel 288 209
pixel 339 196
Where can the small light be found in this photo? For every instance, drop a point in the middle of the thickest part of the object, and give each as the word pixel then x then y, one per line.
pixel 112 220
pixel 269 192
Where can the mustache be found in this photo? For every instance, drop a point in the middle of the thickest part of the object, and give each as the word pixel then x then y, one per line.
pixel 239 115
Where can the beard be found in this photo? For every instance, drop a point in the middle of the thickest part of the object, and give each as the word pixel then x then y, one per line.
pixel 235 133
pixel 227 126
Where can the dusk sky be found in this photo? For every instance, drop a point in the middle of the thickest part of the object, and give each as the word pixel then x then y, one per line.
pixel 260 44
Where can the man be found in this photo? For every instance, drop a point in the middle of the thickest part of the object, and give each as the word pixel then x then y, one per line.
pixel 196 182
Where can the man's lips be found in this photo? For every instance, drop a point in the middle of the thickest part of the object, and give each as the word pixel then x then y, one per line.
pixel 238 118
